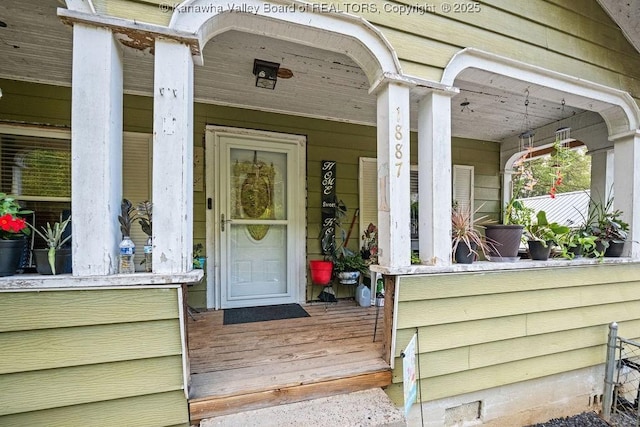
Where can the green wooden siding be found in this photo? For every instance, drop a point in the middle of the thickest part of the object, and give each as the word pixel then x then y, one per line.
pixel 115 413
pixel 98 357
pixel 487 329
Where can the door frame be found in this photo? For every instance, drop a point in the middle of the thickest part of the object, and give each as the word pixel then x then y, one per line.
pixel 297 206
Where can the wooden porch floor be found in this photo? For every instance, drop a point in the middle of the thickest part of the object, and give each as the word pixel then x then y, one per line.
pixel 253 365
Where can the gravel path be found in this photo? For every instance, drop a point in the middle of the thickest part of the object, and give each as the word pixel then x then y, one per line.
pixel 586 419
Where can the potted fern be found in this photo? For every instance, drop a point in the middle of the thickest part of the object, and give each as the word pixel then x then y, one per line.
pixel 53 258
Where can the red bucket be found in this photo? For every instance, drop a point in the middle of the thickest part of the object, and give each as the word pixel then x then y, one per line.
pixel 321 271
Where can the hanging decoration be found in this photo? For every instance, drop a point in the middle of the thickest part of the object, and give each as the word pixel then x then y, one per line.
pixel 254 182
pixel 560 157
pixel 524 174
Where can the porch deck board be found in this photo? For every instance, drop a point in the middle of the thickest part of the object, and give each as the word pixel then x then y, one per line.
pixel 251 365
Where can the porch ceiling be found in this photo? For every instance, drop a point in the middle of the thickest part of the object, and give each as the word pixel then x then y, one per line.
pixel 36 46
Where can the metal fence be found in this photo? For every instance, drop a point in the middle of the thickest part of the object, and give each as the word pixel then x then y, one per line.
pixel 622 381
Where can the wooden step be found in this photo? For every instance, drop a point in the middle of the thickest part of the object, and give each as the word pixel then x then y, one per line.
pixel 235 395
pixel 235 368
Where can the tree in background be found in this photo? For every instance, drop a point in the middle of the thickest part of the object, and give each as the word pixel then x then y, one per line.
pixel 575 173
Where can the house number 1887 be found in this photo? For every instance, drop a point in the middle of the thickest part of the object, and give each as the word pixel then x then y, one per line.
pixel 398 137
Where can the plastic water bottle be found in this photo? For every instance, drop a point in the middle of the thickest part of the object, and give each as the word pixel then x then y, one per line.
pixel 127 254
pixel 148 255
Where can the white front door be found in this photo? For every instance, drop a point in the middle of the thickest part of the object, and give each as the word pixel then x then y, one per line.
pixel 255 222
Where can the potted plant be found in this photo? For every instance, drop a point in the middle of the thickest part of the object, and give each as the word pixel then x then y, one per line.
pixel 144 215
pixel 508 235
pixel 542 235
pixel 13 229
pixel 606 225
pixel 466 238
pixel 127 248
pixel 348 266
pixel 52 259
pixel 577 243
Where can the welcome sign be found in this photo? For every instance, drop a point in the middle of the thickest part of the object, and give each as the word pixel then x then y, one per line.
pixel 328 174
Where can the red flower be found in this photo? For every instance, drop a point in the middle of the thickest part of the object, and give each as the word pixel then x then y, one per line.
pixel 12 225
pixel 5 222
pixel 18 225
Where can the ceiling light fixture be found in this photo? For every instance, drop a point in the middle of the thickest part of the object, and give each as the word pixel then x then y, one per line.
pixel 266 73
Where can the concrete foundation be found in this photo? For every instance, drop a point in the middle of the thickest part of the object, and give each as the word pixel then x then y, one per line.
pixel 516 405
pixel 371 408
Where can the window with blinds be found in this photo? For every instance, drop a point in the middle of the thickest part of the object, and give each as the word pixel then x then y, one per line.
pixel 35 168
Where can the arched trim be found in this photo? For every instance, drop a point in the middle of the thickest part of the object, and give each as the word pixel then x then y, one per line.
pixel 617 108
pixel 298 22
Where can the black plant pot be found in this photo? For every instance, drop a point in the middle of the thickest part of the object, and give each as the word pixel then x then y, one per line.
pixel 613 250
pixel 506 239
pixel 10 254
pixel 538 251
pixel 62 264
pixel 576 251
pixel 463 254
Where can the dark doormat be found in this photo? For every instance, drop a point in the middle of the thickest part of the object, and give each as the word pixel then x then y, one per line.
pixel 262 314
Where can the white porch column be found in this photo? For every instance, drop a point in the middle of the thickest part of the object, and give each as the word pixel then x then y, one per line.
pixel 627 186
pixel 434 178
pixel 172 158
pixel 394 217
pixel 602 167
pixel 96 149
